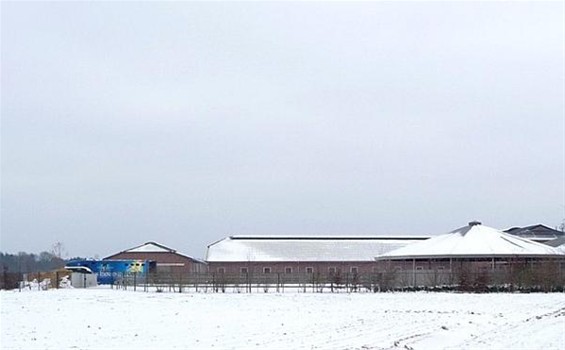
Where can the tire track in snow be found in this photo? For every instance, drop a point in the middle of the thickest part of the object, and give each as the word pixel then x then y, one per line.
pixel 388 333
pixel 528 328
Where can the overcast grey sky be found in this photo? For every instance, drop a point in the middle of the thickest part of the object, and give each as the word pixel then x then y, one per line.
pixel 183 123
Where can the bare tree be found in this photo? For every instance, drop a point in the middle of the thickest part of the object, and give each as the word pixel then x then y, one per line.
pixel 58 250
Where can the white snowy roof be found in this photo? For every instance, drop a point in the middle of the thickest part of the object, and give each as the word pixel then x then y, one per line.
pixel 474 240
pixel 304 248
pixel 150 247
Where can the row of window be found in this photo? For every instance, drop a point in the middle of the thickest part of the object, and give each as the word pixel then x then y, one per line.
pixel 125 264
pixel 331 270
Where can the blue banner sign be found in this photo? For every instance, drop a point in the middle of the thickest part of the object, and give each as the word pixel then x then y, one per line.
pixel 110 271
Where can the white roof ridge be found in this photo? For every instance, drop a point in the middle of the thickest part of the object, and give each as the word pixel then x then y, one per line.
pixel 148 247
pixel 303 248
pixel 329 237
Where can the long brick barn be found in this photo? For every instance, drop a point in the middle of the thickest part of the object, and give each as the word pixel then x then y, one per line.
pixel 326 255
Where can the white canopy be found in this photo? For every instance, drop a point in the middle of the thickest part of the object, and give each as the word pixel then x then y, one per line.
pixel 472 241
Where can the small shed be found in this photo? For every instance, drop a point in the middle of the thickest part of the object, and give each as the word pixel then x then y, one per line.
pixel 167 259
pixel 83 280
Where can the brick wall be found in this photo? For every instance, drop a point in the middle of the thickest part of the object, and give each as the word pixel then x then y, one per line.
pixel 166 261
pixel 233 268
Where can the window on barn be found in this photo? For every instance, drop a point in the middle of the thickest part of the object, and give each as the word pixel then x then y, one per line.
pixel 419 267
pixel 288 270
pixel 221 270
pixel 331 270
pixel 440 268
pixel 354 270
pixel 243 270
pixel 266 270
pixel 309 270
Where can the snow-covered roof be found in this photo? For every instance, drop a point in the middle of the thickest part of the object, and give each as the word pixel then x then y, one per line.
pixel 150 247
pixel 304 248
pixel 474 240
pixel 538 232
pixel 150 250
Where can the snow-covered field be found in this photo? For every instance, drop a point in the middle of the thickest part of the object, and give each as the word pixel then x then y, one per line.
pixel 117 319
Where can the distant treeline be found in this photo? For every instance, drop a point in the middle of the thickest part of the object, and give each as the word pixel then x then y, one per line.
pixel 29 262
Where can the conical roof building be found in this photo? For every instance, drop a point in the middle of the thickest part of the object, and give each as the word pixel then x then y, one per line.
pixel 473 241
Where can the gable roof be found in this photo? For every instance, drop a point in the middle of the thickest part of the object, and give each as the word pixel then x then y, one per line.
pixel 303 248
pixel 536 232
pixel 152 248
pixel 474 240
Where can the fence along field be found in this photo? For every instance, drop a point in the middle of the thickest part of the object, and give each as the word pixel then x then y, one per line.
pixel 541 276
